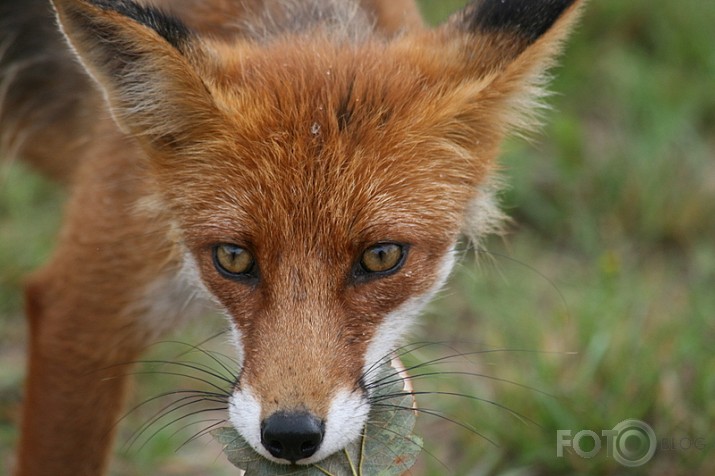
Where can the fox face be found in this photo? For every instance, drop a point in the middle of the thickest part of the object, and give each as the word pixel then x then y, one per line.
pixel 316 180
pixel 320 250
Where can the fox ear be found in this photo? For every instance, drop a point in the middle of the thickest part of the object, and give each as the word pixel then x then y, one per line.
pixel 141 60
pixel 502 49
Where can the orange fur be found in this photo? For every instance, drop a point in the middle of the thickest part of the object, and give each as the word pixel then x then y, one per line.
pixel 305 143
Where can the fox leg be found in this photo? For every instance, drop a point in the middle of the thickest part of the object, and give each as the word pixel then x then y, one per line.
pixel 75 386
pixel 90 314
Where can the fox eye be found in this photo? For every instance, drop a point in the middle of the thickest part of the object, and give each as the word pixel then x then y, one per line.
pixel 233 261
pixel 382 258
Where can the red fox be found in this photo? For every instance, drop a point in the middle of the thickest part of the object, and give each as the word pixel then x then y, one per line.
pixel 305 167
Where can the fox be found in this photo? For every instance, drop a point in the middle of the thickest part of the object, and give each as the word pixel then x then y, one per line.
pixel 305 167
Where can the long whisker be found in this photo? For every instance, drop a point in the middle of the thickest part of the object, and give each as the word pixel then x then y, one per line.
pixel 447 358
pixel 187 376
pixel 201 433
pixel 192 366
pixel 168 394
pixel 449 373
pixel 209 354
pixel 398 353
pixel 522 418
pixel 167 410
pixel 197 368
pixel 182 417
pixel 200 344
pixel 437 414
pixel 533 270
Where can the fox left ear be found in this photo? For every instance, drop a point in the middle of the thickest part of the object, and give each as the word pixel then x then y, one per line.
pixel 142 60
pixel 500 50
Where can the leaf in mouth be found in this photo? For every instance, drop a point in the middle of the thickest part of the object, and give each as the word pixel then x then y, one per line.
pixel 387 446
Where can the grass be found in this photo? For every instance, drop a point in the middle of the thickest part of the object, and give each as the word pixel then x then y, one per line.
pixel 600 298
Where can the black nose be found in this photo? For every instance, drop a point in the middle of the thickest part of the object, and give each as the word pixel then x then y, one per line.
pixel 292 436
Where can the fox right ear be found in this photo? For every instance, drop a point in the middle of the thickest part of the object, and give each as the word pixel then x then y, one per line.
pixel 512 26
pixel 141 59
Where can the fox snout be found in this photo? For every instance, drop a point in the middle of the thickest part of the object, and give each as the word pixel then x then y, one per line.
pixel 296 409
pixel 299 436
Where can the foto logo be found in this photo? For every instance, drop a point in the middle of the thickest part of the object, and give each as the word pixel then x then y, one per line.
pixel 632 443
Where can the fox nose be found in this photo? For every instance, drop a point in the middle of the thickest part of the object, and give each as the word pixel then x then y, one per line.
pixel 292 436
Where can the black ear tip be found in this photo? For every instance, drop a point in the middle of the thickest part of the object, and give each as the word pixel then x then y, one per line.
pixel 167 26
pixel 528 18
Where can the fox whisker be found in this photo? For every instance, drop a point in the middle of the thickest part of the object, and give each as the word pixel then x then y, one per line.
pixel 217 423
pixel 168 409
pixel 180 418
pixel 437 414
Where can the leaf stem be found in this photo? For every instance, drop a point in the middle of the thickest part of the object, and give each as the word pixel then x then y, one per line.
pixel 350 462
pixel 363 439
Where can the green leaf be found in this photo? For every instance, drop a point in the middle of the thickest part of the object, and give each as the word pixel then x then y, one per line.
pixel 386 448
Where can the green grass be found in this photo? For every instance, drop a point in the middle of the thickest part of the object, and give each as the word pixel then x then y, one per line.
pixel 601 296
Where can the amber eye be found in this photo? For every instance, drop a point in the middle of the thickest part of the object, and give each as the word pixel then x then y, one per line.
pixel 233 261
pixel 382 258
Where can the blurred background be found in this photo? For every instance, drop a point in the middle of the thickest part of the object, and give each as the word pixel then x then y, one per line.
pixel 597 307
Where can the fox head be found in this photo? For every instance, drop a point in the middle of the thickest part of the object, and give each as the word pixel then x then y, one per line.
pixel 319 179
